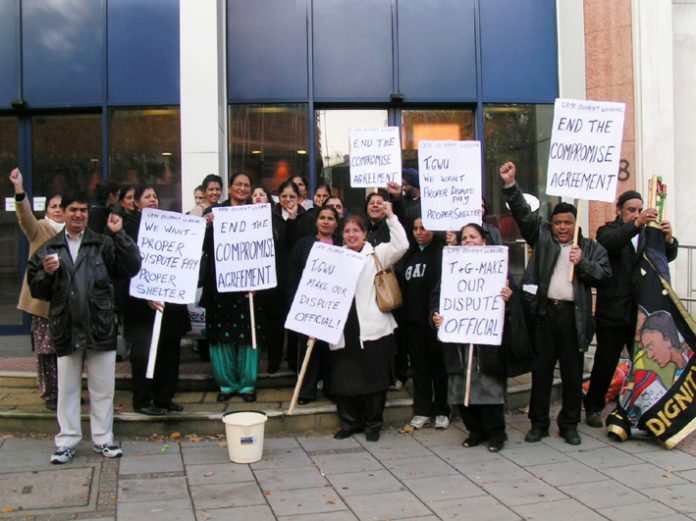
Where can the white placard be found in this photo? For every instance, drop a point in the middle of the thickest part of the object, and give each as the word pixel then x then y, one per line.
pixel 10 204
pixel 450 184
pixel 375 157
pixel 170 245
pixel 585 149
pixel 470 301
pixel 325 293
pixel 244 249
pixel 39 204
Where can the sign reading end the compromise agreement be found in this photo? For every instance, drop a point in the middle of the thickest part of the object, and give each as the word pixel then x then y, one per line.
pixel 470 301
pixel 244 249
pixel 375 157
pixel 170 245
pixel 450 183
pixel 585 149
pixel 326 290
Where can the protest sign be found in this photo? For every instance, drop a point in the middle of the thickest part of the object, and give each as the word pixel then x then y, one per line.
pixel 471 305
pixel 585 149
pixel 375 157
pixel 170 245
pixel 450 184
pixel 326 290
pixel 244 250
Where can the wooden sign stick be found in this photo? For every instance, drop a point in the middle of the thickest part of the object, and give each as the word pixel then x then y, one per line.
pixel 469 366
pixel 300 377
pixel 253 319
pixel 576 233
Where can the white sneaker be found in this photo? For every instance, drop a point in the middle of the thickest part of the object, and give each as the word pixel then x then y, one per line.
pixel 108 450
pixel 62 455
pixel 418 422
pixel 441 422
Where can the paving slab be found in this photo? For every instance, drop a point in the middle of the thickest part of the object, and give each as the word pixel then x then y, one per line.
pixel 603 494
pixel 218 473
pixel 338 515
pixel 679 497
pixel 203 454
pixel 534 454
pixel 390 505
pixel 305 501
pixel 150 463
pixel 479 508
pixel 523 492
pixel 219 495
pixel 247 513
pixel 153 489
pixel 569 510
pixel 370 482
pixel 167 510
pixel 290 479
pixel 283 458
pixel 643 476
pixel 670 460
pixel 496 468
pixel 442 487
pixel 604 458
pixel 647 510
pixel 346 462
pixel 56 488
pixel 394 445
pixel 419 467
pixel 566 473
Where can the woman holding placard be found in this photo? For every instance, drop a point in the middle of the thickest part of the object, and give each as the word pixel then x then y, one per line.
pixel 327 225
pixel 361 366
pixel 153 397
pixel 484 416
pixel 227 320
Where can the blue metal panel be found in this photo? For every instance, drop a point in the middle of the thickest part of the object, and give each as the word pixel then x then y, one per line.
pixel 63 42
pixel 437 50
pixel 9 52
pixel 518 51
pixel 267 50
pixel 143 51
pixel 353 58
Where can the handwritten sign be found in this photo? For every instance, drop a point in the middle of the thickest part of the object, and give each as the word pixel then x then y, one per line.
pixel 326 290
pixel 585 149
pixel 170 246
pixel 244 250
pixel 470 301
pixel 450 181
pixel 375 157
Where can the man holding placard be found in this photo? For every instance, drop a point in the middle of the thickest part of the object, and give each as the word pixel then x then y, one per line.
pixel 560 308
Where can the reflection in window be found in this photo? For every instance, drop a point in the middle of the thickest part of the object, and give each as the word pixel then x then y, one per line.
pixel 521 134
pixel 332 131
pixel 457 125
pixel 144 147
pixel 269 143
pixel 9 231
pixel 67 153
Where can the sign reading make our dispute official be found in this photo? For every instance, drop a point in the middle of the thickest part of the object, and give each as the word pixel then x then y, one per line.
pixel 170 245
pixel 472 308
pixel 585 149
pixel 326 290
pixel 375 157
pixel 244 250
pixel 450 183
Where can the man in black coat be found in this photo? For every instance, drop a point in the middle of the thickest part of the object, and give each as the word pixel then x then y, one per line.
pixel 617 297
pixel 560 306
pixel 75 272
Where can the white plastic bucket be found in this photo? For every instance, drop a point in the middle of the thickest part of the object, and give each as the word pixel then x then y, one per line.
pixel 244 431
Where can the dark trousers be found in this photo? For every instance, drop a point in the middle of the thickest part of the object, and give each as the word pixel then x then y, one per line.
pixel 484 422
pixel 160 390
pixel 316 369
pixel 274 321
pixel 428 367
pixel 610 343
pixel 401 361
pixel 365 411
pixel 557 339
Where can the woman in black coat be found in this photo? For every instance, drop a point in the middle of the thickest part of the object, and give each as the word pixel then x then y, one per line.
pixel 153 397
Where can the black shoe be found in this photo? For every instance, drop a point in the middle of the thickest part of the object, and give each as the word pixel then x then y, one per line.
pixel 304 401
pixel 347 433
pixel 249 397
pixel 51 403
pixel 471 441
pixel 172 406
pixel 224 397
pixel 495 445
pixel 535 434
pixel 594 419
pixel 571 437
pixel 151 410
pixel 372 436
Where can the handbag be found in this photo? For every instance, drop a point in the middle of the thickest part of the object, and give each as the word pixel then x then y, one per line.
pixel 386 288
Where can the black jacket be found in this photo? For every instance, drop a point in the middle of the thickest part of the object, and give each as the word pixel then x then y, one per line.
pixel 82 313
pixel 419 274
pixel 617 297
pixel 592 269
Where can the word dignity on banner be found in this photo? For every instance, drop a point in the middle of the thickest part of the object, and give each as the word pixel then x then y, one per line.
pixel 244 250
pixel 450 183
pixel 170 245
pixel 470 301
pixel 326 290
pixel 375 157
pixel 585 149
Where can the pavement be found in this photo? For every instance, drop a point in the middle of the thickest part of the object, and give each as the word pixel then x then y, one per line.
pixel 423 475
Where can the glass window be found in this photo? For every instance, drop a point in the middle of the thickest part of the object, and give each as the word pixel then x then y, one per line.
pixel 9 231
pixel 456 125
pixel 66 153
pixel 521 134
pixel 269 143
pixel 332 135
pixel 144 147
